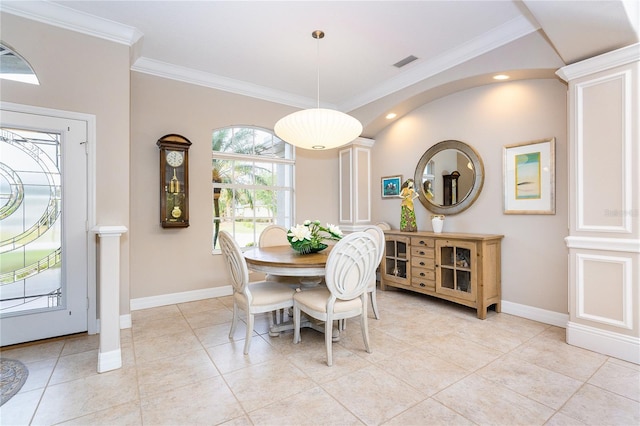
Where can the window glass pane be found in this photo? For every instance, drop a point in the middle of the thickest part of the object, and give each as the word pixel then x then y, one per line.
pixel 252 181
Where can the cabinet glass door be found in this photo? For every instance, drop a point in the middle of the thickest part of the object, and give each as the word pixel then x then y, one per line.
pixel 455 272
pixel 396 261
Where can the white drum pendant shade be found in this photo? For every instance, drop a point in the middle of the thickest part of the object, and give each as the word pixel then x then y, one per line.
pixel 318 128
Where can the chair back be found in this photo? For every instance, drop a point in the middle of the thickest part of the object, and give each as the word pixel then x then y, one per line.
pixel 351 264
pixel 236 264
pixel 377 233
pixel 273 235
pixel 383 225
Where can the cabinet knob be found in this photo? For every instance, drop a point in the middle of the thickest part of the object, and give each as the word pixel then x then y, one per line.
pixel 422 242
pixel 422 274
pixel 422 253
pixel 422 285
pixel 421 263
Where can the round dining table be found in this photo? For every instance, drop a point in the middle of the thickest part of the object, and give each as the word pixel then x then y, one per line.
pixel 284 261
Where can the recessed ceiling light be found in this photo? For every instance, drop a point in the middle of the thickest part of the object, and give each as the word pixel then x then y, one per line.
pixel 391 115
pixel 501 77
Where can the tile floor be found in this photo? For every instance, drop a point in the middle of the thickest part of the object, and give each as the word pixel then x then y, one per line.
pixel 433 363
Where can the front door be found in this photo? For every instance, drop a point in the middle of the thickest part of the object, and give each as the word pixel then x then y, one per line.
pixel 43 227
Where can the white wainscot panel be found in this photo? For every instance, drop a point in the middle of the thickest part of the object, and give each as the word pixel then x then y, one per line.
pixel 604 289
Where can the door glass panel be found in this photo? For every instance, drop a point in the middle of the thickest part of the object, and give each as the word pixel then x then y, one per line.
pixel 447 278
pixel 391 248
pixel 30 222
pixel 447 256
pixel 463 279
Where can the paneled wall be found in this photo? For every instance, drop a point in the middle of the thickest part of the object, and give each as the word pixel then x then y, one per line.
pixel 603 241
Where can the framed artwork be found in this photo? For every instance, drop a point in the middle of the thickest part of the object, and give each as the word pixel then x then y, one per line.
pixel 529 177
pixel 391 186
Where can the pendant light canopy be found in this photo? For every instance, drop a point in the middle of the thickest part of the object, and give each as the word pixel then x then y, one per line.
pixel 318 128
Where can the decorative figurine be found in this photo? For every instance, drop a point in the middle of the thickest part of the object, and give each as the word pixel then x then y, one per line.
pixel 408 215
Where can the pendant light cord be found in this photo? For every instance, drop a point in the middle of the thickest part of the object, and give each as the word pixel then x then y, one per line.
pixel 318 34
pixel 318 70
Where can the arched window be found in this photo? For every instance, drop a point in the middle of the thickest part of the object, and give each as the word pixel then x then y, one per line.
pixel 15 67
pixel 252 178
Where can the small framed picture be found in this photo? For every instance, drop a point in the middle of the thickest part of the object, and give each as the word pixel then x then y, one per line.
pixel 391 186
pixel 529 177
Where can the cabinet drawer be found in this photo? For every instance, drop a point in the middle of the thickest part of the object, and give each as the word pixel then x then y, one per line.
pixel 423 252
pixel 423 262
pixel 423 283
pixel 423 274
pixel 422 242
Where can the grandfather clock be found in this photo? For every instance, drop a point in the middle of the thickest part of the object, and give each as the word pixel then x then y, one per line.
pixel 174 181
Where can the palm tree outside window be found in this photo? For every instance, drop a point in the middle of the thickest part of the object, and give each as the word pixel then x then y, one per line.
pixel 252 183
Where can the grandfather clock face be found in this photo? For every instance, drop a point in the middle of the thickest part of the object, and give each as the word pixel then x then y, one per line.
pixel 174 181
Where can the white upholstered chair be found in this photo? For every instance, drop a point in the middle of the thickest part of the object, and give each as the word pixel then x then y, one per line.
pixel 252 298
pixel 349 268
pixel 276 235
pixel 273 235
pixel 383 225
pixel 378 234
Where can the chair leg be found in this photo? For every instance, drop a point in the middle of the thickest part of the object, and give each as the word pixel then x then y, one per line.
pixel 247 342
pixel 328 339
pixel 296 323
pixel 374 304
pixel 234 320
pixel 364 325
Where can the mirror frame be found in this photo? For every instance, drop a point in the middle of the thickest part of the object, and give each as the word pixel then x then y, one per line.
pixel 478 177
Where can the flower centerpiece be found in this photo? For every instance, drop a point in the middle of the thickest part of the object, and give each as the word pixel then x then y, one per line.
pixel 309 237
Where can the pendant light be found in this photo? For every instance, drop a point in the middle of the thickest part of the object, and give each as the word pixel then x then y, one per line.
pixel 318 128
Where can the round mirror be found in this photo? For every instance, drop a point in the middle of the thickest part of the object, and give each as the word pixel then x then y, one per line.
pixel 449 177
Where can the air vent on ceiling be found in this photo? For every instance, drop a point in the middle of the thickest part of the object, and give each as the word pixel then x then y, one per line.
pixel 405 61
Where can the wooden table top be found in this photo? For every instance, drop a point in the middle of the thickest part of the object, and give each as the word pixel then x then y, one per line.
pixel 285 257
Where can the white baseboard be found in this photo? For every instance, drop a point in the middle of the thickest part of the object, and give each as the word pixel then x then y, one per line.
pixel 605 342
pixel 108 361
pixel 535 314
pixel 173 298
pixel 125 322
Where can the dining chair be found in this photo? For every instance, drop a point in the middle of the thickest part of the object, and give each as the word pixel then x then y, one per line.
pixel 378 234
pixel 253 298
pixel 384 226
pixel 276 235
pixel 349 268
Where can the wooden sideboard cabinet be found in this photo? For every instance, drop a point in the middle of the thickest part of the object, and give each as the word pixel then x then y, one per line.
pixel 461 268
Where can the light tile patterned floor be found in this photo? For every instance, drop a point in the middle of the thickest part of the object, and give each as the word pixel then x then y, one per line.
pixel 433 363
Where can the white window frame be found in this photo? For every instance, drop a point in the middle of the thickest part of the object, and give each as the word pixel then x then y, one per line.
pixel 285 215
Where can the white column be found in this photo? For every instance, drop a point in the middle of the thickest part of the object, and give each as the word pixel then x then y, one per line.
pixel 604 230
pixel 355 184
pixel 109 355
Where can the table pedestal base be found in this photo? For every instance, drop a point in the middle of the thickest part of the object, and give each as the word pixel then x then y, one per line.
pixel 276 329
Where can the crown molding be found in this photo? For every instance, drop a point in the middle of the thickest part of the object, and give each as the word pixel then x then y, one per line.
pixel 67 18
pixel 71 19
pixel 602 62
pixel 201 78
pixel 506 33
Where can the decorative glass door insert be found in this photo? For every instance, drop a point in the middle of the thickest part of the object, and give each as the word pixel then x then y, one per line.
pixel 30 229
pixel 43 224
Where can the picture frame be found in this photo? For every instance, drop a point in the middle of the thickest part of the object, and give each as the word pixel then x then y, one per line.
pixel 390 186
pixel 529 177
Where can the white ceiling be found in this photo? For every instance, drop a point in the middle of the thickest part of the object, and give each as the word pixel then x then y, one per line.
pixel 265 49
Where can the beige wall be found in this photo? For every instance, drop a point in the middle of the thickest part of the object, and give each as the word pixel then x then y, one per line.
pixel 87 75
pixel 161 106
pixel 534 256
